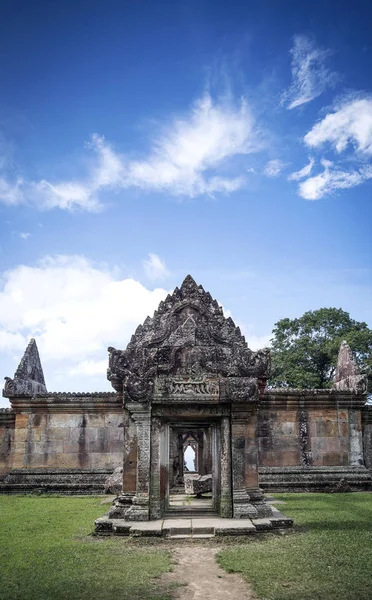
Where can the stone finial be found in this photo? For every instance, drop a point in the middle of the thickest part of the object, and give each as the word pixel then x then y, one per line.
pixel 29 377
pixel 347 376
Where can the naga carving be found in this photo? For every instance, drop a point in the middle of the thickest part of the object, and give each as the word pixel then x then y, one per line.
pixel 188 337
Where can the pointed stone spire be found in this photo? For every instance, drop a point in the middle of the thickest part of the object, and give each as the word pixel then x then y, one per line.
pixel 29 377
pixel 347 376
pixel 30 365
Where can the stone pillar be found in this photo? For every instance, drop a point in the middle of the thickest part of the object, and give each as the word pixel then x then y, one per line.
pixel 180 455
pixel 159 479
pixel 247 497
pixel 129 455
pixel 356 439
pixel 141 415
pixel 251 466
pixel 367 436
pixel 133 503
pixel 226 507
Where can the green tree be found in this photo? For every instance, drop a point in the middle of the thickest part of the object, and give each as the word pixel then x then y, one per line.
pixel 304 350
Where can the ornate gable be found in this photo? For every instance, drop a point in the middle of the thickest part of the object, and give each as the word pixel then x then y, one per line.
pixel 188 340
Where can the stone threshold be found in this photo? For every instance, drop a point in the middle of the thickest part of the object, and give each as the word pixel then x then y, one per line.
pixel 192 528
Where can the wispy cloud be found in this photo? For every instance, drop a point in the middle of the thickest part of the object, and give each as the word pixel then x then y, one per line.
pixel 347 129
pixel 350 123
pixel 193 155
pixel 24 235
pixel 332 179
pixel 155 268
pixel 304 172
pixel 274 168
pixel 310 76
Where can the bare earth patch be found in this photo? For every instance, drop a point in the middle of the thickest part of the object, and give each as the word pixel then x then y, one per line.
pixel 198 576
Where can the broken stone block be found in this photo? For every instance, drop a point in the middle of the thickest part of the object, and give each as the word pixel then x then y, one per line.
pixel 198 484
pixel 114 483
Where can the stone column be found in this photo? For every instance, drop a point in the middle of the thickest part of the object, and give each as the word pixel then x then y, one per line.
pixel 141 415
pixel 251 465
pixel 226 507
pixel 159 479
pixel 367 436
pixel 133 503
pixel 247 497
pixel 356 439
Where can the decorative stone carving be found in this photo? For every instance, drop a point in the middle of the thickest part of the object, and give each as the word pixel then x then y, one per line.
pixel 29 377
pixel 187 339
pixel 348 377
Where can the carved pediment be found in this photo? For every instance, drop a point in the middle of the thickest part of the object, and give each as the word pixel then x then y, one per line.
pixel 188 336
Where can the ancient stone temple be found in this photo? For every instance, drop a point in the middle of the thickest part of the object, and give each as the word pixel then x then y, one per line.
pixel 190 414
pixel 188 373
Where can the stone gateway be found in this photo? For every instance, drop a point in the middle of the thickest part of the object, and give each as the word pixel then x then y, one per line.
pixel 187 385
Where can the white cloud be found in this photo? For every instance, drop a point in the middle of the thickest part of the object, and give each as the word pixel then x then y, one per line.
pixel 257 342
pixel 24 235
pixel 75 310
pixel 351 123
pixel 90 367
pixel 310 77
pixel 330 180
pixel 155 268
pixel 304 172
pixel 193 155
pixel 11 192
pixel 274 167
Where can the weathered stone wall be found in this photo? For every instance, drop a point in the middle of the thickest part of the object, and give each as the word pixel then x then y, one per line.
pixel 310 428
pixel 7 423
pixel 367 436
pixel 301 431
pixel 68 432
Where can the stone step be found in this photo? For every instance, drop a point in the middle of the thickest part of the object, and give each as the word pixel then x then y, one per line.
pixel 198 528
pixel 314 479
pixel 60 481
pixel 192 536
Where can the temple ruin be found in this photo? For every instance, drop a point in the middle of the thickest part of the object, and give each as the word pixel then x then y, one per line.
pixel 187 382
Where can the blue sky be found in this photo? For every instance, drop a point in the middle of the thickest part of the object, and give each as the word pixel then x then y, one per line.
pixel 141 141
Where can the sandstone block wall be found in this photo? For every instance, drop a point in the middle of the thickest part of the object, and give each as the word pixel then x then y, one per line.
pixel 88 440
pixel 68 432
pixel 319 428
pixel 7 422
pixel 295 429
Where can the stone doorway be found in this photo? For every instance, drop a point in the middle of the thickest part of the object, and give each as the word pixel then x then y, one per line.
pixel 194 484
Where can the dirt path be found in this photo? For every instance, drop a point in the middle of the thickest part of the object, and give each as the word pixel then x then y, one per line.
pixel 196 567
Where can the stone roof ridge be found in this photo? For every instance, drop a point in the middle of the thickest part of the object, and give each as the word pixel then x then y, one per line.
pixel 75 394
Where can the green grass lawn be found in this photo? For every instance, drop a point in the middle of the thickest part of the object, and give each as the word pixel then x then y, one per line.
pixel 328 557
pixel 46 553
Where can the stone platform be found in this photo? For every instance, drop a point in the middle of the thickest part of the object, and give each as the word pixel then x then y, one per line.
pixel 55 481
pixel 192 527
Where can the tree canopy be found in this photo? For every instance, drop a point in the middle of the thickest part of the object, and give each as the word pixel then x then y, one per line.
pixel 304 350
